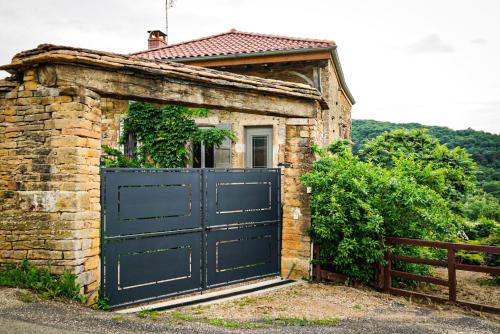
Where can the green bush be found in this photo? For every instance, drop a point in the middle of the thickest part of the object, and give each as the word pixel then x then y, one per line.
pixel 482 205
pixel 355 204
pixel 24 275
pixel 163 134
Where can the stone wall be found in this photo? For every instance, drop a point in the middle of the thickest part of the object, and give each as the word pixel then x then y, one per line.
pixel 49 178
pixel 113 111
pixel 296 244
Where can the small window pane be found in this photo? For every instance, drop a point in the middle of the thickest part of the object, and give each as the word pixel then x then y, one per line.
pixel 259 151
pixel 209 157
pixel 196 155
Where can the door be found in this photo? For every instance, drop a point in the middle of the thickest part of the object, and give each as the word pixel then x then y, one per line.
pixel 259 147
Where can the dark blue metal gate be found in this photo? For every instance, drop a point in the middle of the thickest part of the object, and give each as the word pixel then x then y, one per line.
pixel 171 231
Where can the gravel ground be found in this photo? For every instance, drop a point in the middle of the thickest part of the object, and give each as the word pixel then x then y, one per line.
pixel 469 287
pixel 358 311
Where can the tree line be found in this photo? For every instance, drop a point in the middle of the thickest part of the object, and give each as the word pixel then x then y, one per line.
pixel 483 147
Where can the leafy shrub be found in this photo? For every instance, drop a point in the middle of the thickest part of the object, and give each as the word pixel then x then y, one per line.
pixel 24 275
pixel 102 303
pixel 163 134
pixel 481 229
pixel 483 205
pixel 355 204
pixel 470 257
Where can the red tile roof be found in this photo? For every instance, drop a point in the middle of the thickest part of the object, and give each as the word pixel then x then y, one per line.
pixel 231 43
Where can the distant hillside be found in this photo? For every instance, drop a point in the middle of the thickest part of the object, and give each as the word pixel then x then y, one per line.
pixel 484 147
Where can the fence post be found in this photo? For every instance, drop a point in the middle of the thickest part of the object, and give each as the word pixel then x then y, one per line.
pixel 452 276
pixel 387 273
pixel 317 266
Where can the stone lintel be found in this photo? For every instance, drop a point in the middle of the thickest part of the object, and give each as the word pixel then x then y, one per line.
pixel 300 121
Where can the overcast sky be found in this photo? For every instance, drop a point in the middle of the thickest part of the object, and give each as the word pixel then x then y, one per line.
pixel 436 62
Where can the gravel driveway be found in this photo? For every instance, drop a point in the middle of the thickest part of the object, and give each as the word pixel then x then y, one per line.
pixel 44 317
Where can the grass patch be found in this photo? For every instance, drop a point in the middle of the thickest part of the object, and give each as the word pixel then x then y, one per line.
pixel 283 321
pixel 200 309
pixel 150 314
pixel 117 318
pixel 357 307
pixel 250 301
pixel 183 317
pixel 178 317
pixel 48 286
pixel 102 302
pixel 25 296
pixel 233 324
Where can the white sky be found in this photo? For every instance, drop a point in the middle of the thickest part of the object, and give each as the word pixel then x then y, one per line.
pixel 430 61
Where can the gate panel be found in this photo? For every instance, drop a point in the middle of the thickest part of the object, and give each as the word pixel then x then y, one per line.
pixel 237 197
pixel 139 269
pixel 241 253
pixel 146 201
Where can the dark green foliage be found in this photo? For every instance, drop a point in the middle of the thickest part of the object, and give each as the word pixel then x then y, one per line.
pixel 102 303
pixel 449 172
pixel 355 204
pixel 24 275
pixel 483 205
pixel 482 146
pixel 115 158
pixel 163 134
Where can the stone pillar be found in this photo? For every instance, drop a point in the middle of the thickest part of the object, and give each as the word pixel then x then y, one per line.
pixel 50 139
pixel 301 133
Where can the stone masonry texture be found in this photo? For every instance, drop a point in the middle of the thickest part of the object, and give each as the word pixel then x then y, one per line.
pixel 49 178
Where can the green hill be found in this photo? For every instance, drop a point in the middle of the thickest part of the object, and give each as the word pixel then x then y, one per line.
pixel 484 147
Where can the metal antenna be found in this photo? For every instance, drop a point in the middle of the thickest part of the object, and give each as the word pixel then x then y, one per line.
pixel 168 4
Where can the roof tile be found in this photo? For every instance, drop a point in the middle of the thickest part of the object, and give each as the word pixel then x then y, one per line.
pixel 230 43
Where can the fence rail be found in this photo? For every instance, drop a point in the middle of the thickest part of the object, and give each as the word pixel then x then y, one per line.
pixel 386 273
pixel 385 280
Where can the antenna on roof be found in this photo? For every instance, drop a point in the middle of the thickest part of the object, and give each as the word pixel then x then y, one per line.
pixel 168 4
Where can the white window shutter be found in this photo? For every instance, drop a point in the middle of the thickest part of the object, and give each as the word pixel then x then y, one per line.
pixel 223 153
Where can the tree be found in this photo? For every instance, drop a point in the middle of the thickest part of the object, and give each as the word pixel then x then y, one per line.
pixel 449 172
pixel 163 134
pixel 482 146
pixel 355 204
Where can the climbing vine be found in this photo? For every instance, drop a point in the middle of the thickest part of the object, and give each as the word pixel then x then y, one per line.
pixel 163 134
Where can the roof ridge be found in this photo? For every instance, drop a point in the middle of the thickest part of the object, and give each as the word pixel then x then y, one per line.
pixel 234 31
pixel 181 43
pixel 284 37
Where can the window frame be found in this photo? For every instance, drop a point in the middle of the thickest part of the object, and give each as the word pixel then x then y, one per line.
pixel 260 131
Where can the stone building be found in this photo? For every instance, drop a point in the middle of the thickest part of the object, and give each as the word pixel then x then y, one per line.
pixel 62 104
pixel 259 140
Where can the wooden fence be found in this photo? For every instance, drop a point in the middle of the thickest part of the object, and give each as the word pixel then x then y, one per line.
pixel 384 279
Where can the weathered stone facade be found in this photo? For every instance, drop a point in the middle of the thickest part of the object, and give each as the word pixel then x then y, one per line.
pixel 334 122
pixel 49 178
pixel 301 134
pixel 113 112
pixel 64 103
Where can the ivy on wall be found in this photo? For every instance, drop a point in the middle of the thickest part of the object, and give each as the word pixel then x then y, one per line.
pixel 164 134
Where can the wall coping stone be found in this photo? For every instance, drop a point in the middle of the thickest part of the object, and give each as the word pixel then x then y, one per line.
pixel 47 53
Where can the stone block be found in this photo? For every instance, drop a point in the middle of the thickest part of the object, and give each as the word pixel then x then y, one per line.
pixel 45 254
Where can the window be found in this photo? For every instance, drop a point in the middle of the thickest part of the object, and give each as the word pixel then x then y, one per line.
pixel 203 156
pixel 259 147
pixel 210 156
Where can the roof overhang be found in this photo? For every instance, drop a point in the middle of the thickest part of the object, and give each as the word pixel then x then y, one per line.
pixel 329 52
